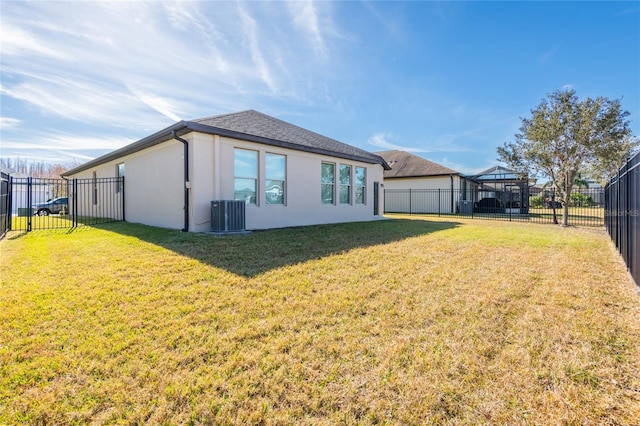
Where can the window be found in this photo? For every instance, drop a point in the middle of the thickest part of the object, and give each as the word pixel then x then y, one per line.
pixel 328 181
pixel 360 185
pixel 94 189
pixel 464 189
pixel 120 176
pixel 245 184
pixel 345 184
pixel 276 166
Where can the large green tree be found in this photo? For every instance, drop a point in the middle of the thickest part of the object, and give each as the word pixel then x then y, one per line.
pixel 565 136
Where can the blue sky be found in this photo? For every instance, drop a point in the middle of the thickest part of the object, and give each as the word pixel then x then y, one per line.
pixel 445 80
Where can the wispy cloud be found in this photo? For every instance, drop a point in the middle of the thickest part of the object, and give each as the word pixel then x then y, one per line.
pixel 305 18
pixel 55 146
pixel 66 141
pixel 7 123
pixel 457 166
pixel 628 11
pixel 547 56
pixel 72 99
pixel 16 41
pixel 157 103
pixel 141 66
pixel 460 109
pixel 250 31
pixel 380 140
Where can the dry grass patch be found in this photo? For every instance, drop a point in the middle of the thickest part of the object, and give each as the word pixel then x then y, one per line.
pixel 393 322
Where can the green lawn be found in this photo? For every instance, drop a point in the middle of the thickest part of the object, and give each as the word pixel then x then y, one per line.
pixel 402 321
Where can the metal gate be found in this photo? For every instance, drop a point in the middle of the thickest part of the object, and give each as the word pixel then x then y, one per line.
pixel 39 203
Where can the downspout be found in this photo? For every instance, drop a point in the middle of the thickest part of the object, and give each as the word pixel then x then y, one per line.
pixel 452 203
pixel 186 179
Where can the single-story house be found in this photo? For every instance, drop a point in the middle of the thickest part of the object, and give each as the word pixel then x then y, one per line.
pixel 417 185
pixel 280 174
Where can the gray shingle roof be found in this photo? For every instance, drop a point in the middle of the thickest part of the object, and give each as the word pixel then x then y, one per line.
pixel 404 164
pixel 276 131
pixel 247 125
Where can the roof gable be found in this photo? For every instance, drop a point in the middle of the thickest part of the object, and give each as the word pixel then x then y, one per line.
pixel 496 173
pixel 404 164
pixel 496 170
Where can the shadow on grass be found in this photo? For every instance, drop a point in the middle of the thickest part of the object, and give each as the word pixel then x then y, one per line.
pixel 261 251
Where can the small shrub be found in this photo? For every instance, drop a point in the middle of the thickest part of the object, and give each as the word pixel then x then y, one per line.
pixel 536 201
pixel 581 200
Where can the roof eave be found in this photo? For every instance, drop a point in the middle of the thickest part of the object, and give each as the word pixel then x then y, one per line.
pixel 149 141
pixel 420 176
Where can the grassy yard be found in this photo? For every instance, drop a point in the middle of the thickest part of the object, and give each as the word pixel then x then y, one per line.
pixel 403 321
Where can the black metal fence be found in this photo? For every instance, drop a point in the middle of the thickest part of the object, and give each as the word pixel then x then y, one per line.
pixel 5 216
pixel 35 203
pixel 586 207
pixel 622 214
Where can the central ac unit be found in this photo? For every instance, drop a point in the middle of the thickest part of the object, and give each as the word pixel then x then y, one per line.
pixel 227 216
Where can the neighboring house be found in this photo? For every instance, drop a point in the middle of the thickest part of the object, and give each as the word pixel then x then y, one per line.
pixel 27 192
pixel 434 188
pixel 284 174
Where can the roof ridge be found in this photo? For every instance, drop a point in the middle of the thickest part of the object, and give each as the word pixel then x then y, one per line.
pixel 196 120
pixel 281 122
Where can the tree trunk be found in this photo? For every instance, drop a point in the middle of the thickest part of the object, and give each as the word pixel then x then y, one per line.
pixel 553 206
pixel 565 214
pixel 567 200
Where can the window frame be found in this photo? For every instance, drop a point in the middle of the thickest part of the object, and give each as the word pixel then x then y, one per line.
pixel 248 199
pixel 94 189
pixel 345 186
pixel 120 176
pixel 362 186
pixel 328 184
pixel 269 179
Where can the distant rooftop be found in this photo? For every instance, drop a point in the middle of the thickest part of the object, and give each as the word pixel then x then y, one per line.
pixel 404 164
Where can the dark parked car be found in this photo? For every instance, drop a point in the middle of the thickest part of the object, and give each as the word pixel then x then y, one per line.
pixel 489 205
pixel 54 206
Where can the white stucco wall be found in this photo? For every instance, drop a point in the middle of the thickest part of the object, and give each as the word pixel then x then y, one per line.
pixel 436 182
pixel 154 193
pixel 153 185
pixel 214 178
pixel 428 194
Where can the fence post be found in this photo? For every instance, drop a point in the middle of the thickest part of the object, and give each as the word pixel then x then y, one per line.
pixel 10 204
pixel 29 203
pixel 439 201
pixel 410 202
pixel 618 204
pixel 74 216
pixel 627 205
pixel 123 219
